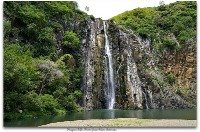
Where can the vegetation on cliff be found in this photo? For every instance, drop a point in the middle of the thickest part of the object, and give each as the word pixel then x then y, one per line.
pixel 168 26
pixel 172 32
pixel 40 78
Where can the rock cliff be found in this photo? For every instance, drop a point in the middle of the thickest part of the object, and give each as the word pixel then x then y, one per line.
pixel 139 83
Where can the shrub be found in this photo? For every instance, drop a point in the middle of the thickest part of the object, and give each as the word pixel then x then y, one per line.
pixel 71 39
pixel 31 14
pixel 46 35
pixel 20 70
pixel 66 60
pixel 42 104
pixel 7 27
pixel 170 44
pixel 171 78
pixel 178 91
pixel 50 105
pixel 58 8
pixel 186 35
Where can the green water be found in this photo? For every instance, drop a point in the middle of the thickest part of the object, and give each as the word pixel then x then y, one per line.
pixel 188 114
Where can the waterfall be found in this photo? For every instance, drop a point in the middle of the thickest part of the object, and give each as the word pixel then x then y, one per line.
pixel 117 67
pixel 110 93
pixel 145 97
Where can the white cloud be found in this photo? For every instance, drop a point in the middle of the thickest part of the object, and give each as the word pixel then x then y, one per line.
pixel 106 9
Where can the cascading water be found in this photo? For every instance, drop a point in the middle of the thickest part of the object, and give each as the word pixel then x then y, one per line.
pixel 110 93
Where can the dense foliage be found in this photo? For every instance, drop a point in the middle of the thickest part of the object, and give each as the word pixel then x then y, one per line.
pixel 168 26
pixel 40 78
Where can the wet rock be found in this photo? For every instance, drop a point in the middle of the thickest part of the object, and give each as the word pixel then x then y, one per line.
pixel 139 83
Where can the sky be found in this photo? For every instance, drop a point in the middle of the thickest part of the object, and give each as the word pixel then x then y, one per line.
pixel 106 9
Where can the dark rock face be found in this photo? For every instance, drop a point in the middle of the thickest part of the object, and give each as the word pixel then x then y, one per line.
pixel 139 84
pixel 93 61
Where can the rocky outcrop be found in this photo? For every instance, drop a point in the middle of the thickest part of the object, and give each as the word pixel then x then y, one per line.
pixel 182 64
pixel 139 83
pixel 93 61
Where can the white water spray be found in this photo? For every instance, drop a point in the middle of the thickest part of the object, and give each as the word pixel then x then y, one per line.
pixel 110 80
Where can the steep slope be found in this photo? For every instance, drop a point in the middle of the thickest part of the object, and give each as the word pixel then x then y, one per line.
pixel 42 69
pixel 139 83
pixel 171 30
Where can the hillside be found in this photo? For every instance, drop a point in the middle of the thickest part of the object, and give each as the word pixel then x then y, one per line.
pixel 42 72
pixel 172 32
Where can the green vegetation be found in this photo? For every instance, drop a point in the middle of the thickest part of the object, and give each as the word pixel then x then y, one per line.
pixel 172 31
pixel 171 79
pixel 38 78
pixel 71 39
pixel 168 26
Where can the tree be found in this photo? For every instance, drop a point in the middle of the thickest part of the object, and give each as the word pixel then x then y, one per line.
pixel 161 3
pixel 71 39
pixel 87 8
